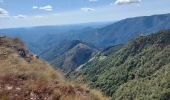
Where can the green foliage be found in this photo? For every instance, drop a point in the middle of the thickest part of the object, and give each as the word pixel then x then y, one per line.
pixel 112 49
pixel 140 70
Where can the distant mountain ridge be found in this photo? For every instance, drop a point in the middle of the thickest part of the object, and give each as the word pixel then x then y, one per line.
pixel 124 30
pixel 117 33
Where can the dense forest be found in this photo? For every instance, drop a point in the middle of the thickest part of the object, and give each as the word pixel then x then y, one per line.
pixel 139 70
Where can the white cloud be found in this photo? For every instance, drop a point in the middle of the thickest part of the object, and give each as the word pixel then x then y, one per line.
pixel 46 8
pixel 20 16
pixel 3 13
pixel 34 7
pixel 121 2
pixel 88 9
pixel 93 0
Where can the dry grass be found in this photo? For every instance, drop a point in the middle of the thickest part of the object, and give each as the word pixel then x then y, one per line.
pixel 36 79
pixel 94 94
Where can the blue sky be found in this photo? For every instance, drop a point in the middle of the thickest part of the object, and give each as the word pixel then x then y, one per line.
pixel 26 13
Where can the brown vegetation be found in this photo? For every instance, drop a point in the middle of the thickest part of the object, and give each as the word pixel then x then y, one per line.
pixel 26 77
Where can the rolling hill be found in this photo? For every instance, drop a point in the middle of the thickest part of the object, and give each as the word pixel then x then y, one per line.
pixel 139 70
pixel 68 55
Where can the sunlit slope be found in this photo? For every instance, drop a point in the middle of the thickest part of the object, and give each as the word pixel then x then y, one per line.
pixel 140 70
pixel 24 76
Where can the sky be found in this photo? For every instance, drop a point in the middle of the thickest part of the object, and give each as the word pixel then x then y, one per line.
pixel 28 13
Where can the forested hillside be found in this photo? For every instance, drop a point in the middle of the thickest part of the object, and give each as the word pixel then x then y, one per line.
pixel 140 70
pixel 124 30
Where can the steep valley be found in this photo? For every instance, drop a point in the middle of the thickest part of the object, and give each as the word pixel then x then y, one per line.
pixel 23 76
pixel 84 49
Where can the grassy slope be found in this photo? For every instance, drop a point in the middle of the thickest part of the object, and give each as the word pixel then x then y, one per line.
pixel 74 57
pixel 140 70
pixel 68 55
pixel 31 78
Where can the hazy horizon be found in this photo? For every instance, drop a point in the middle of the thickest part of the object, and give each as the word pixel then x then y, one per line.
pixel 15 14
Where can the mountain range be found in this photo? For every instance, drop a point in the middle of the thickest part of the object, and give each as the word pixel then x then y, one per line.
pixel 119 32
pixel 40 39
pixel 138 70
pixel 63 56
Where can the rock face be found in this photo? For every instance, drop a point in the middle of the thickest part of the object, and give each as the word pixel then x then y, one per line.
pixel 25 77
pixel 22 52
